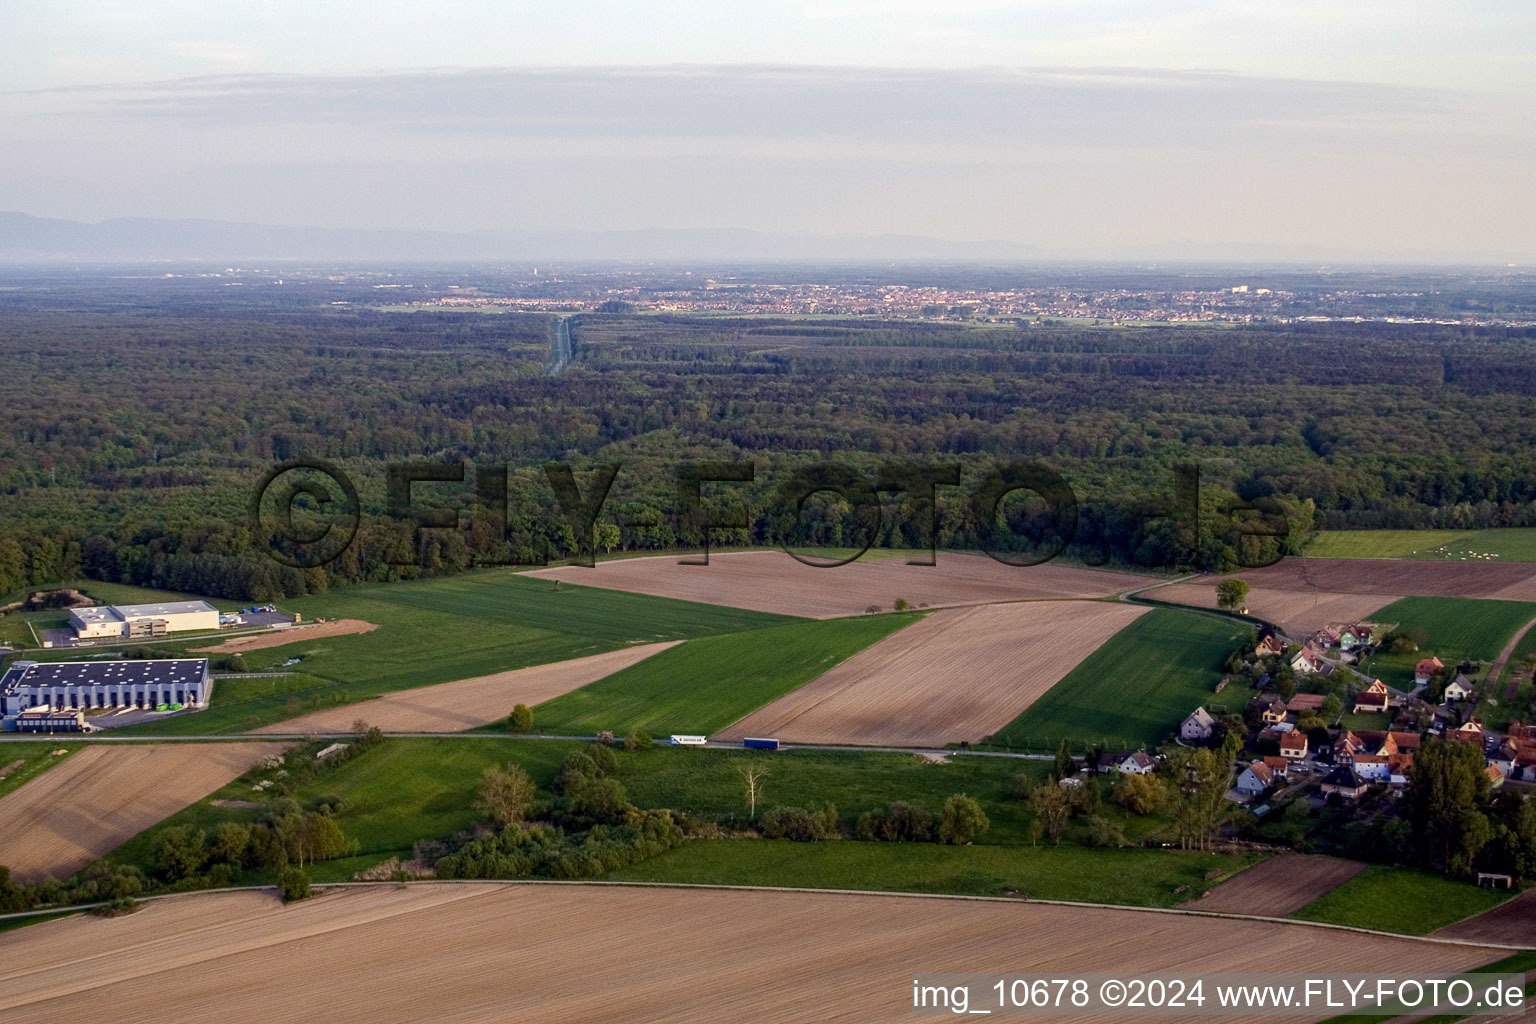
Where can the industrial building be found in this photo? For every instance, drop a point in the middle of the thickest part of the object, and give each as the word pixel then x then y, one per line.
pixel 45 719
pixel 142 620
pixel 64 686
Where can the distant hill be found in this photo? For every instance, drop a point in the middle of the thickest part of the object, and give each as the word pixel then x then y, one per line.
pixel 24 238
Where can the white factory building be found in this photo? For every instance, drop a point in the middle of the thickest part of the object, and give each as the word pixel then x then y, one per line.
pixel 140 620
pixel 69 685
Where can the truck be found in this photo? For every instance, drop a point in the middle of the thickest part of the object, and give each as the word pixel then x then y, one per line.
pixel 683 740
pixel 760 743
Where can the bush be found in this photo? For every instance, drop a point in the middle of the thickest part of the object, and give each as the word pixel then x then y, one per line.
pixel 1103 832
pixel 637 740
pixel 601 799
pixel 119 907
pixel 293 884
pixel 179 851
pixel 962 820
pixel 521 719
pixel 799 824
pixel 604 758
pixel 901 822
pixel 1141 794
pixel 1020 786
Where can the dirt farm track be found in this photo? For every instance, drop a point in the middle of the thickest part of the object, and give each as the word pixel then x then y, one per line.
pixel 468 703
pixel 958 674
pixel 104 795
pixel 571 953
pixel 772 581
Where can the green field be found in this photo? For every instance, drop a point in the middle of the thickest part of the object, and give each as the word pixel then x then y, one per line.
pixel 1141 878
pixel 1134 690
pixel 1499 545
pixel 437 631
pixel 401 791
pixel 1457 627
pixel 704 685
pixel 34 758
pixel 1400 900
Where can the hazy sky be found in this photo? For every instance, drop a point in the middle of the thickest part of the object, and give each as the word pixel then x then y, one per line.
pixel 1136 127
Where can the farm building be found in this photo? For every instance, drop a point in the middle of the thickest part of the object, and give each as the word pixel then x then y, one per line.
pixel 142 620
pixel 65 685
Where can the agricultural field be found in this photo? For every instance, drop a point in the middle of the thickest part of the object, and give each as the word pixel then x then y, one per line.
pixel 1390 578
pixel 1280 886
pixel 704 685
pixel 1457 629
pixel 103 795
pixel 1296 612
pixel 1134 690
pixel 1498 545
pixel 849 951
pixel 959 674
pixel 1133 878
pixel 772 581
pixel 401 791
pixel 1379 543
pixel 1400 900
pixel 20 763
pixel 1512 923
pixel 469 703
pixel 281 638
pixel 442 630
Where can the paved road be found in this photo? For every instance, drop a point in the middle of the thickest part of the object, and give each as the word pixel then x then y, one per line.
pixel 289 737
pixel 561 357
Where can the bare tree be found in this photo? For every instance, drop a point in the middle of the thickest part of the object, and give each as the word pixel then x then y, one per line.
pixel 505 796
pixel 752 775
pixel 1052 805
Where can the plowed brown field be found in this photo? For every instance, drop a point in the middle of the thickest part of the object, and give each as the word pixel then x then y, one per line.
pixel 106 794
pixel 772 581
pixel 469 703
pixel 958 674
pixel 1296 612
pixel 1279 886
pixel 1510 581
pixel 1513 922
pixel 485 952
pixel 289 635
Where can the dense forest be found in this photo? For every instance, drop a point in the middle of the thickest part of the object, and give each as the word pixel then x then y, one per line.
pixel 135 435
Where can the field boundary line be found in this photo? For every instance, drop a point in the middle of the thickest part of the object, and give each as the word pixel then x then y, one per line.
pixel 1015 901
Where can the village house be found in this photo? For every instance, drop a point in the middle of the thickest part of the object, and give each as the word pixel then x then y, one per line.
pixel 1136 762
pixel 1306 702
pixel 1372 699
pixel 1275 713
pixel 1371 767
pixel 1458 689
pixel 1345 784
pixel 1516 756
pixel 1279 767
pixel 1293 745
pixel 1355 636
pixel 1470 731
pixel 1425 670
pixel 1325 638
pixel 1307 661
pixel 1255 779
pixel 1270 647
pixel 1198 726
